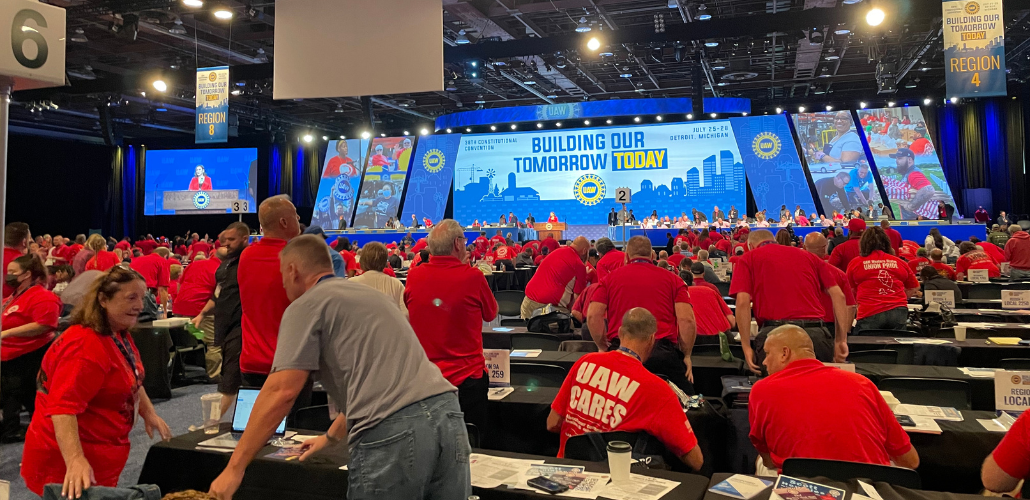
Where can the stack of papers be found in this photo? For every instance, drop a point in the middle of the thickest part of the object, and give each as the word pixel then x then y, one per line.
pixel 526 353
pixel 499 393
pixel 492 472
pixel 741 487
pixel 639 488
pixel 581 484
pixel 934 412
pixel 1001 424
pixel 790 488
pixel 979 372
pixel 1004 340
pixel 912 340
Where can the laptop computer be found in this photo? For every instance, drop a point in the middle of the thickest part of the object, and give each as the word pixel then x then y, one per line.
pixel 245 399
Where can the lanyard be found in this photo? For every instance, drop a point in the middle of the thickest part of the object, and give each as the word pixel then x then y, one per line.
pixel 631 353
pixel 13 296
pixel 641 260
pixel 130 357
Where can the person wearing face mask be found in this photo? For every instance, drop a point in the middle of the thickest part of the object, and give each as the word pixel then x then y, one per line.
pixel 91 389
pixel 29 318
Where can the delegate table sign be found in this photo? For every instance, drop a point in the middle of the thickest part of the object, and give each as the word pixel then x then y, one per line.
pixel 1012 390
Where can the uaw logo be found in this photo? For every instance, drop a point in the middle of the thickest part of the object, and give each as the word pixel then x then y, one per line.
pixel 549 226
pixel 212 76
pixel 766 145
pixel 589 189
pixel 558 111
pixel 323 204
pixel 433 161
pixel 201 200
pixel 972 8
pixel 1021 379
pixel 342 189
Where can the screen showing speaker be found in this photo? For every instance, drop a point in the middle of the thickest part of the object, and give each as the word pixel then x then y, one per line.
pixel 386 171
pixel 339 183
pixel 199 181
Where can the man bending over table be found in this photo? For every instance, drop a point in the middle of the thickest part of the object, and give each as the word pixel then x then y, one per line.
pixel 612 391
pixel 804 409
pixel 399 409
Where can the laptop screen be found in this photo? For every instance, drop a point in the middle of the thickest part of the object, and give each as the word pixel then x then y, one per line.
pixel 244 405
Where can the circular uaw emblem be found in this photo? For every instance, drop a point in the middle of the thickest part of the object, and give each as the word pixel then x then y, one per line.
pixel 212 76
pixel 433 161
pixel 766 145
pixel 201 200
pixel 549 226
pixel 589 189
pixel 342 190
pixel 972 8
pixel 1015 379
pixel 323 204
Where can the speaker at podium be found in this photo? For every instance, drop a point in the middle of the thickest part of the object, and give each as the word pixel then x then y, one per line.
pixel 555 230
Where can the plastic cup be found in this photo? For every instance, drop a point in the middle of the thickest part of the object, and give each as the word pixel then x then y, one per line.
pixel 211 405
pixel 960 333
pixel 619 453
pixel 754 329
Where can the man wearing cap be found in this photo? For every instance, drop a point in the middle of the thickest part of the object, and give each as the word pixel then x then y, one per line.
pixel 858 187
pixel 919 186
pixel 785 285
pixel 842 254
pixel 998 236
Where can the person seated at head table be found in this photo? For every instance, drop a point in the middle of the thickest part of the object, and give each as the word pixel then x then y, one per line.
pixel 594 399
pixel 852 422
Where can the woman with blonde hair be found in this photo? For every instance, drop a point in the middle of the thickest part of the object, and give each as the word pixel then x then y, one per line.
pixel 102 260
pixel 374 256
pixel 90 392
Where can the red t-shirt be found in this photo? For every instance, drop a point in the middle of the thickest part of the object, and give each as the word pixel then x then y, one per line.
pixel 879 281
pixel 551 244
pixel 944 269
pixel 549 283
pixel 703 283
pixel 844 253
pixel 146 246
pixel 264 300
pixel 196 185
pixel 482 244
pixel 1017 250
pixel 917 264
pixel 1013 452
pixel 448 301
pixel 610 262
pixel 419 245
pixel 538 259
pixel 62 254
pixel 338 166
pixel 102 261
pixel 124 245
pixel 993 251
pixel 9 255
pixel 36 305
pixel 504 253
pixel 908 249
pixel 853 423
pixel 498 239
pixel 200 246
pixel 710 310
pixel 917 180
pixel 612 391
pixel 86 375
pixel 584 299
pixel 179 250
pixel 351 263
pixel 895 237
pixel 675 259
pixel 783 282
pixel 535 245
pixel 154 269
pixel 977 259
pixel 196 287
pixel 919 145
pixel 389 271
pixel 849 296
pixel 643 284
pixel 552 219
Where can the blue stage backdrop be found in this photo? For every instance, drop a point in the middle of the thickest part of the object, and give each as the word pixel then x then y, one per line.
pixel 432 171
pixel 670 168
pixel 772 164
pixel 568 111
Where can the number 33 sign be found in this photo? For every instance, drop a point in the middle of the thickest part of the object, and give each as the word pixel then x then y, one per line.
pixel 240 207
pixel 32 38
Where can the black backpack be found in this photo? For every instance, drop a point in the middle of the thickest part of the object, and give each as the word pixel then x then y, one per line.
pixel 552 322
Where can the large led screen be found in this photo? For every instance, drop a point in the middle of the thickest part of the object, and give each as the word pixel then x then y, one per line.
pixel 836 161
pixel 772 164
pixel 338 187
pixel 671 169
pixel 906 161
pixel 199 181
pixel 386 170
pixel 432 171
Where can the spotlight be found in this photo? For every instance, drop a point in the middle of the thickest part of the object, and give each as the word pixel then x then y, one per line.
pixel 468 129
pixel 325 137
pixel 382 135
pixel 743 114
pixel 583 27
pixel 779 110
pixel 424 131
pixel 160 85
pixel 308 138
pixel 713 115
pixel 690 116
pixel 890 104
pixel 593 43
pixel 365 135
pixel 539 125
pixel 862 105
pixel 659 118
pixel 223 14
pixel 513 126
pixel 448 131
pixel 608 121
pixel 557 124
pixel 343 137
pixel 586 122
pixel 462 39
pixel 954 100
pixel 407 133
pixel 801 109
pixel 927 101
pixel 711 44
pixel 875 17
pixel 637 119
pixel 193 3
pixel 493 127
pixel 702 14
pixel 829 108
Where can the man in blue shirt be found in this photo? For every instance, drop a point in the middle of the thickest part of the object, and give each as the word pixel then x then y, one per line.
pixel 858 187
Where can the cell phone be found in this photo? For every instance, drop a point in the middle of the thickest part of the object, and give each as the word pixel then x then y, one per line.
pixel 552 487
pixel 905 420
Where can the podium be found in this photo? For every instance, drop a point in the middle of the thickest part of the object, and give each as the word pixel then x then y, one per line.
pixel 552 229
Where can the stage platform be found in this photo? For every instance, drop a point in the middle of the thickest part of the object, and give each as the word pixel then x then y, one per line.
pixel 386 236
pixel 910 230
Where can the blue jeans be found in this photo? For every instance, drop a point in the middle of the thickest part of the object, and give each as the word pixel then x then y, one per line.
pixel 419 452
pixel 1018 273
pixel 892 319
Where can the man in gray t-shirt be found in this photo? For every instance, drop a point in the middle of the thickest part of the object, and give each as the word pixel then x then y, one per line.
pixel 400 415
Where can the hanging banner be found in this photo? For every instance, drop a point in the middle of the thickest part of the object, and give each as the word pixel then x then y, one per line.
pixel 432 172
pixel 212 105
pixel 974 48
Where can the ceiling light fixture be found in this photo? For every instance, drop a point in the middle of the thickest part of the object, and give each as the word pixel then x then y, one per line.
pixel 79 36
pixel 178 29
pixel 690 116
pixel 702 14
pixel 557 124
pixel 637 119
pixel 593 43
pixel 927 101
pixel 365 135
pixel 608 121
pixel 779 110
pixel 493 127
pixel 193 3
pixel 711 44
pixel 659 118
pixel 307 138
pixel 890 104
pixel 223 14
pixel 583 27
pixel 801 109
pixel 539 125
pixel 713 115
pixel 448 131
pixel 586 122
pixel 424 131
pixel 862 105
pixel 875 16
pixel 954 100
pixel 407 133
pixel 513 126
pixel 829 108
pixel 325 137
pixel 160 85
pixel 468 129
pixel 461 39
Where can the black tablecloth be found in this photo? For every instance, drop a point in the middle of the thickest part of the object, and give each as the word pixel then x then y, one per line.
pixel 886 490
pixel 177 465
pixel 499 337
pixel 974 352
pixel 949 461
pixel 155 350
pixel 982 388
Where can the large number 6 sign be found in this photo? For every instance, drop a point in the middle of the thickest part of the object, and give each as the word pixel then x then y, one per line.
pixel 21 32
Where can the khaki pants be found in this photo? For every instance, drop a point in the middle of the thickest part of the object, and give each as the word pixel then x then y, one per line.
pixel 213 356
pixel 565 303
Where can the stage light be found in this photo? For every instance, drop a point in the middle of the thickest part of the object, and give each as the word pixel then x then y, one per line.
pixel 473 63
pixel 586 122
pixel 862 105
pixel 743 114
pixel 424 131
pixel 713 115
pixel 702 14
pixel 583 27
pixel 223 14
pixel 448 131
pixel 539 125
pixel 779 110
pixel 829 108
pixel 890 104
pixel 690 116
pixel 593 43
pixel 659 118
pixel 343 137
pixel 801 109
pixel 461 39
pixel 609 121
pixel 193 3
pixel 407 133
pixel 954 100
pixel 557 124
pixel 365 135
pixel 637 119
pixel 468 130
pixel 711 44
pixel 325 137
pixel 308 138
pixel 927 101
pixel 493 127
pixel 160 85
pixel 382 135
pixel 513 126
pixel 875 17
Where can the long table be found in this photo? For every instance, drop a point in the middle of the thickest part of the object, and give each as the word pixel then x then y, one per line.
pixel 972 352
pixel 887 491
pixel 178 465
pixel 910 230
